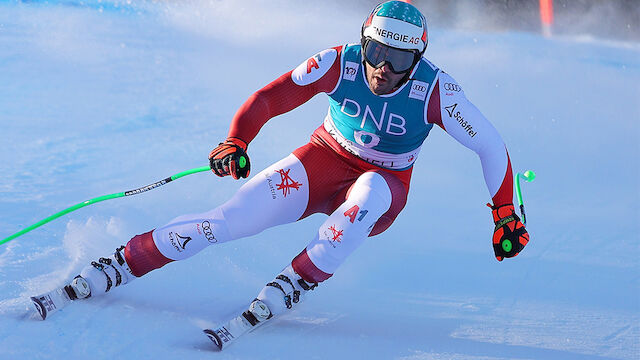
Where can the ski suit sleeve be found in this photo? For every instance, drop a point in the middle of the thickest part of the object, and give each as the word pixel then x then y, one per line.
pixel 319 73
pixel 449 108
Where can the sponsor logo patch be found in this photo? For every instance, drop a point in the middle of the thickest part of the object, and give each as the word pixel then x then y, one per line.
pixel 353 212
pixel 272 189
pixel 314 68
pixel 335 237
pixel 208 234
pixel 452 87
pixel 179 241
pixel 287 183
pixel 419 90
pixel 383 33
pixel 350 70
pixel 451 110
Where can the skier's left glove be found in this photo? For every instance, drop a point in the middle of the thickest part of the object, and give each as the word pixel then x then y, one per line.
pixel 230 158
pixel 509 235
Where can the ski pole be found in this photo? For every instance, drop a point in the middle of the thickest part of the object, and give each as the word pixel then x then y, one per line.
pixel 103 198
pixel 529 176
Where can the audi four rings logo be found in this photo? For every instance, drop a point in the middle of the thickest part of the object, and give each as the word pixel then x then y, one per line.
pixel 452 87
pixel 418 87
pixel 206 228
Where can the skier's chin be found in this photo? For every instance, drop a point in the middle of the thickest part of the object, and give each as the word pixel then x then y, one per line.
pixel 380 86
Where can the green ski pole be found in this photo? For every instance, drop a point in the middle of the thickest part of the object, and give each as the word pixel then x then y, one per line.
pixel 103 198
pixel 528 175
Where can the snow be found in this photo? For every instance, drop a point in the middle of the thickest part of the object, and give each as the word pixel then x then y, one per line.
pixel 99 97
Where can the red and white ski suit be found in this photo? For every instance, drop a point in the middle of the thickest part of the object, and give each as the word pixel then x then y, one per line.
pixel 361 199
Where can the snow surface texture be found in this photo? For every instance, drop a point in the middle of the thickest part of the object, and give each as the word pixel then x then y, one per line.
pixel 102 97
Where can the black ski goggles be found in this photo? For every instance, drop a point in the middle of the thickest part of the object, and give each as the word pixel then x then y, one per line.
pixel 378 55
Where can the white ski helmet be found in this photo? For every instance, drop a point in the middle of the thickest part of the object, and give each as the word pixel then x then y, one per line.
pixel 398 25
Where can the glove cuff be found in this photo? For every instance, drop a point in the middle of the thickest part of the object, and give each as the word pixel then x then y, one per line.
pixel 502 212
pixel 237 142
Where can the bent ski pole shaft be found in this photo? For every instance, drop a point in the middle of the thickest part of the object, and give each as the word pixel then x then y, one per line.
pixel 528 176
pixel 103 198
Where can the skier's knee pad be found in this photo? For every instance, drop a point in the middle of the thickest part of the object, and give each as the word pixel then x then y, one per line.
pixel 285 291
pixel 107 273
pixel 371 187
pixel 398 200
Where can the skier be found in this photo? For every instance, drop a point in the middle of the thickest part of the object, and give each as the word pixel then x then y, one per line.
pixel 384 98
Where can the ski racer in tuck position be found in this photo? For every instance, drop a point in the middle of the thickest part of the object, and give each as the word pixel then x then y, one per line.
pixel 384 99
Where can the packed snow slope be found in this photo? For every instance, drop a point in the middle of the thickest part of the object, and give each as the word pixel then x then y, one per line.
pixel 102 97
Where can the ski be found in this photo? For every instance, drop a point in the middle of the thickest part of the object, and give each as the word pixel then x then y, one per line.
pixel 50 302
pixel 54 300
pixel 228 332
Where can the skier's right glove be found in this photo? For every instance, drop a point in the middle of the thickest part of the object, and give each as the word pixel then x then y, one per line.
pixel 230 158
pixel 509 235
